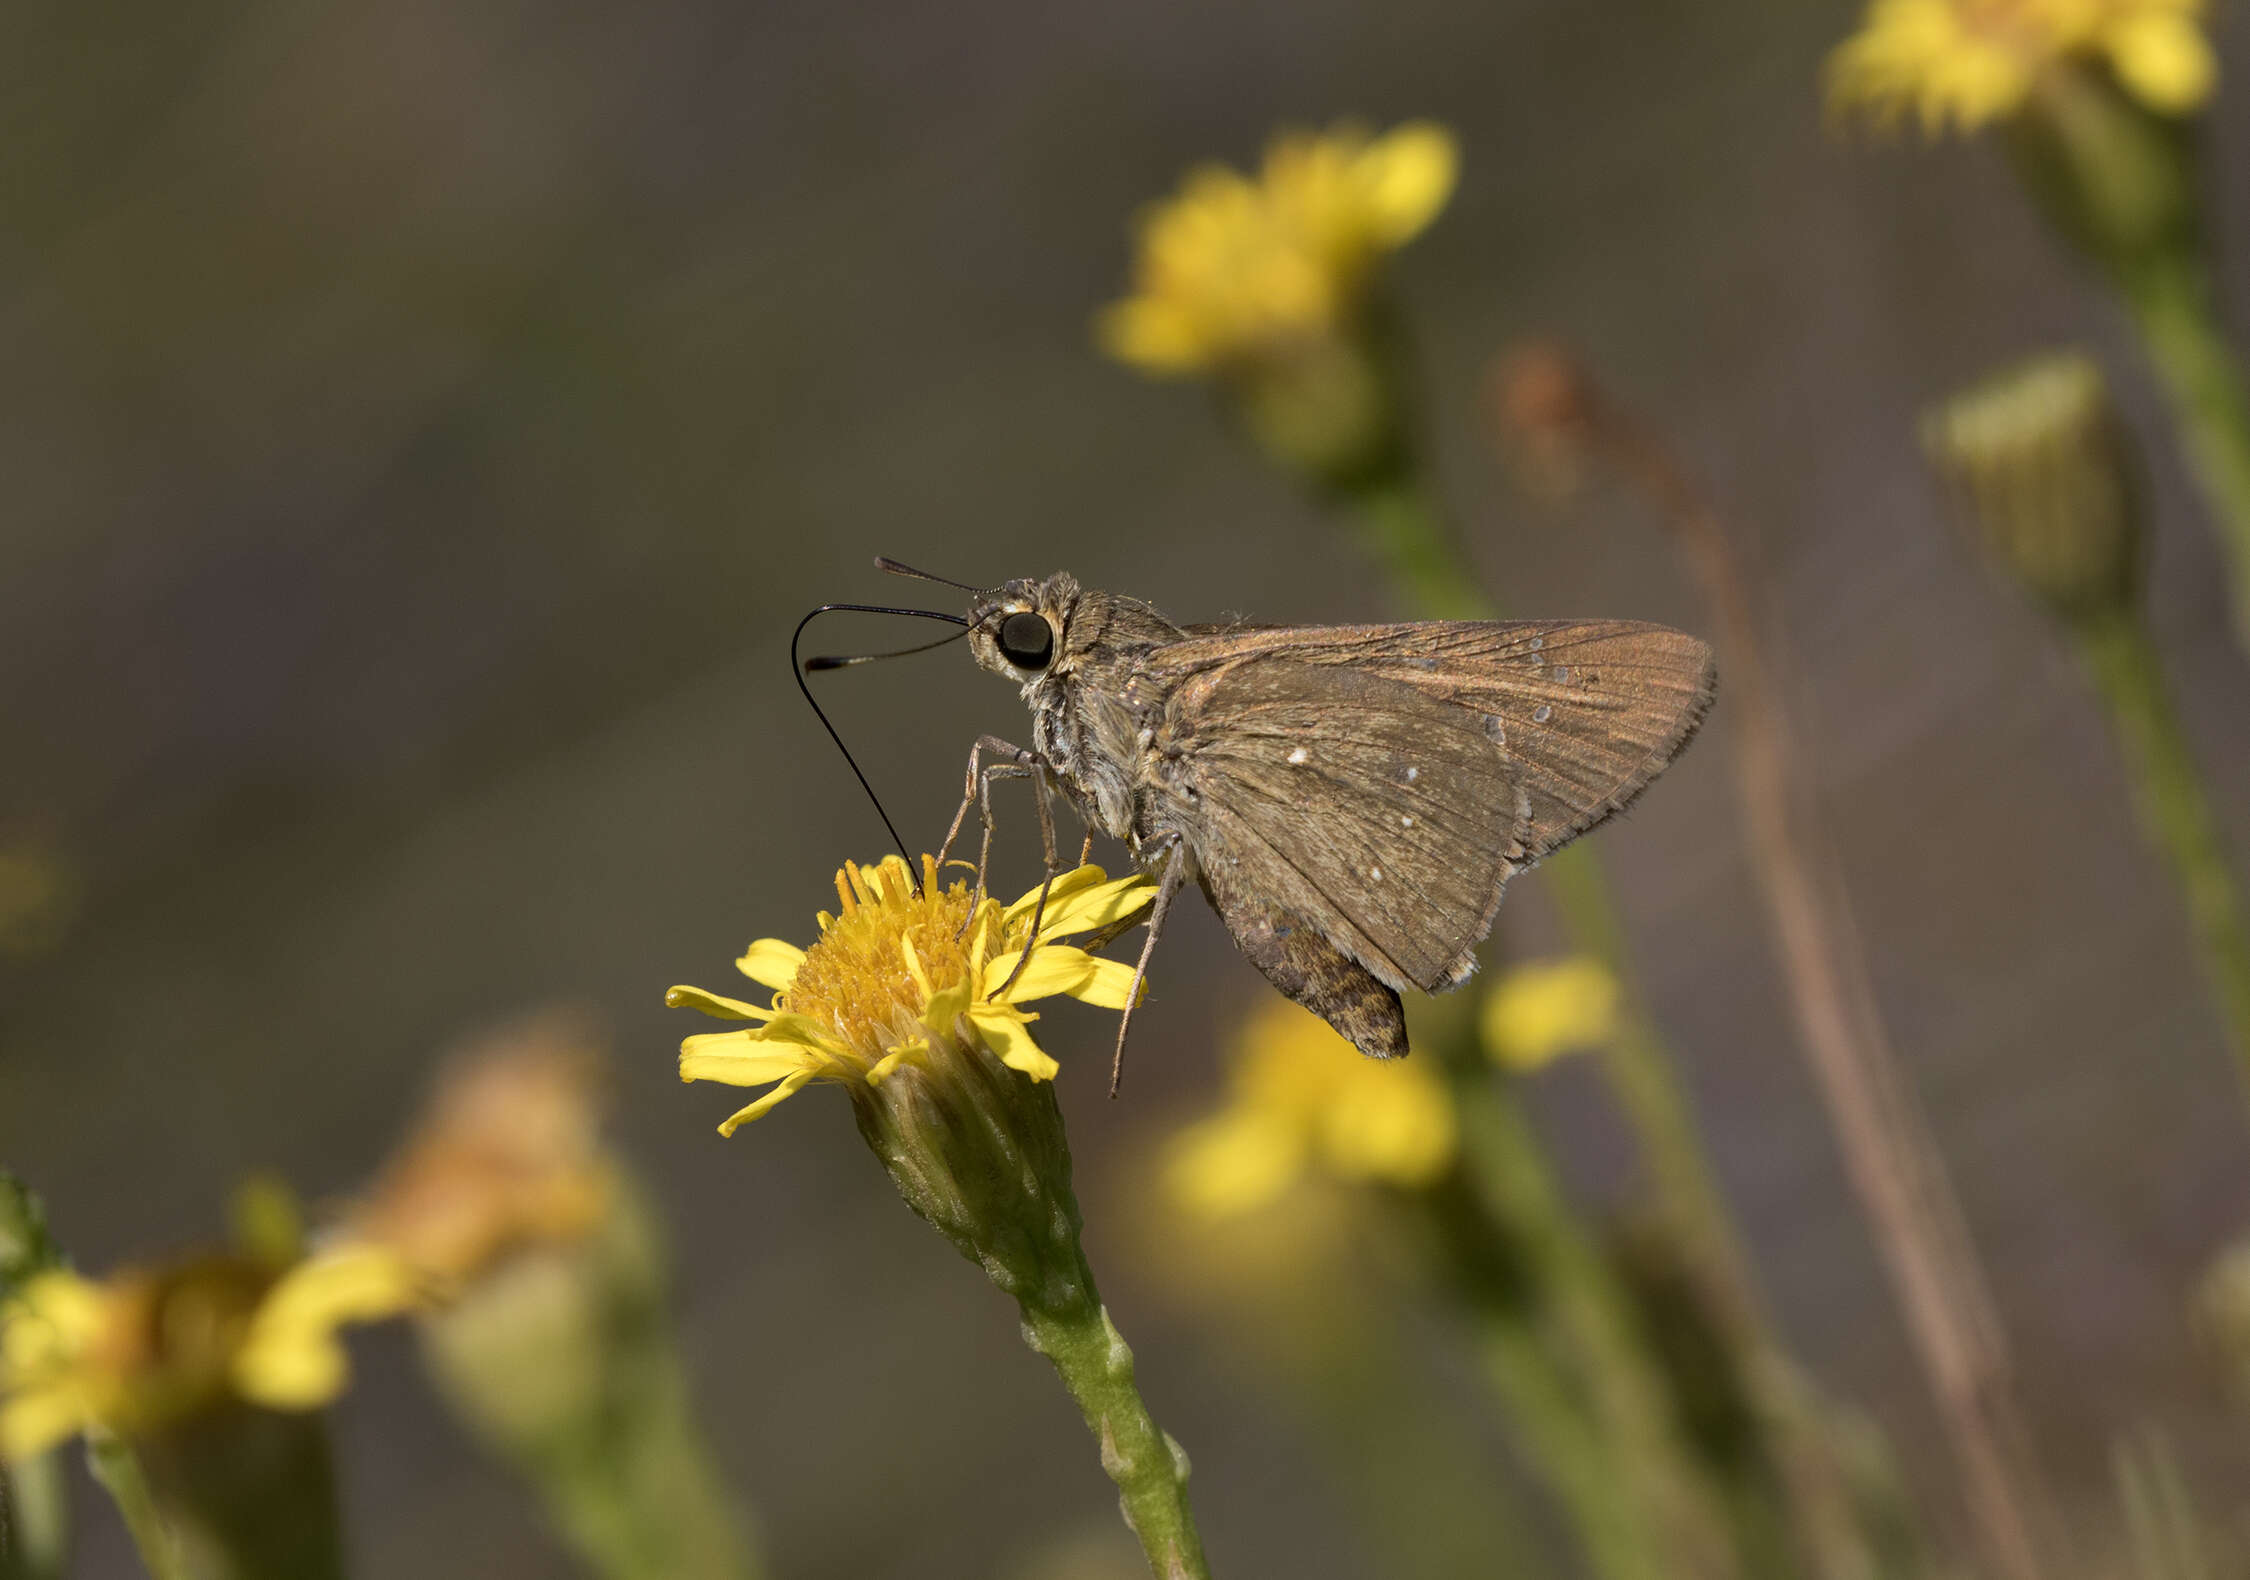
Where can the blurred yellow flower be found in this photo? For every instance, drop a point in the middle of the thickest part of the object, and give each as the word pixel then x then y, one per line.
pixel 1541 1010
pixel 509 1154
pixel 142 1349
pixel 903 968
pixel 1302 1098
pixel 1232 267
pixel 1969 62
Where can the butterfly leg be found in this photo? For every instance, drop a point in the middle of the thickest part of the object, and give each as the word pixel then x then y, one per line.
pixel 976 791
pixel 1175 874
pixel 1046 884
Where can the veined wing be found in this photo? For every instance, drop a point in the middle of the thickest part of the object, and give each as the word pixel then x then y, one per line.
pixel 1384 817
pixel 1589 710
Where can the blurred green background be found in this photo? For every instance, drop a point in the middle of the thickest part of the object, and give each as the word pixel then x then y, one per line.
pixel 422 424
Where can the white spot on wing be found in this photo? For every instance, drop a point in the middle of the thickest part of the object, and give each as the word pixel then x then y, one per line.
pixel 1413 774
pixel 1297 757
pixel 1406 820
pixel 1376 873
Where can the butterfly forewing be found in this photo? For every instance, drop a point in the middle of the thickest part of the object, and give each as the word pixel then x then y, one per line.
pixel 1386 818
pixel 1588 710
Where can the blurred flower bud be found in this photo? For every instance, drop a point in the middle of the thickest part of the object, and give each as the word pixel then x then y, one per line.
pixel 1545 411
pixel 39 893
pixel 2222 1317
pixel 553 1341
pixel 2040 466
pixel 507 1155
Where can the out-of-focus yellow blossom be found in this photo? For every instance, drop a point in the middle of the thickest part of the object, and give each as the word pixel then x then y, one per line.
pixel 1302 1098
pixel 1539 1011
pixel 1965 63
pixel 142 1349
pixel 1231 267
pixel 38 894
pixel 903 969
pixel 508 1154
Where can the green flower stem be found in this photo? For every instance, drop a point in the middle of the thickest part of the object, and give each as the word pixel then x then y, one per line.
pixel 2174 307
pixel 2174 812
pixel 34 1519
pixel 564 1363
pixel 1412 541
pixel 1561 1441
pixel 1070 1326
pixel 118 1469
pixel 1589 1319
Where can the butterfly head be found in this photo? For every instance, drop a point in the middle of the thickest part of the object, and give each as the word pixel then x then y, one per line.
pixel 1021 629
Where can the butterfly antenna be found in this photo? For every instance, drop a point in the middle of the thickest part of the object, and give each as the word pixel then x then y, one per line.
pixel 853 660
pixel 798 669
pixel 891 567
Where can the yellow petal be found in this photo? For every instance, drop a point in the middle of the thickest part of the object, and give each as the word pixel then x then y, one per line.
pixel 1401 1132
pixel 2165 60
pixel 1059 968
pixel 1155 335
pixel 1233 1162
pixel 1086 906
pixel 37 1419
pixel 1408 175
pixel 291 1359
pixel 1005 1034
pixel 55 1313
pixel 801 1030
pixel 914 964
pixel 742 1116
pixel 736 1059
pixel 1539 1011
pixel 772 963
pixel 880 1070
pixel 717 1006
pixel 1076 881
pixel 944 1008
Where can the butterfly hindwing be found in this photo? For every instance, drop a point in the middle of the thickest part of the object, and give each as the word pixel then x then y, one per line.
pixel 1385 818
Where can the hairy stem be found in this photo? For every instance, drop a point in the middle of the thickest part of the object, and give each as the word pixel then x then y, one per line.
pixel 1150 1469
pixel 2176 311
pixel 118 1469
pixel 2175 813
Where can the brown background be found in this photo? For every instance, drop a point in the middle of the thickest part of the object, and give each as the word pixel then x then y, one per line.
pixel 423 420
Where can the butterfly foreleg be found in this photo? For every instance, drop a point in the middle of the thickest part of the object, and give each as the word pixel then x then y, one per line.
pixel 1047 883
pixel 1167 887
pixel 976 791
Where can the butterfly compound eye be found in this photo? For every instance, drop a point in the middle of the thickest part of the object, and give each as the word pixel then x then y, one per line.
pixel 1027 640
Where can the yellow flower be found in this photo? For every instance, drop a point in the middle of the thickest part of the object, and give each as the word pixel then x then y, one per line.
pixel 509 1154
pixel 1970 62
pixel 1302 1098
pixel 901 971
pixel 142 1349
pixel 1539 1011
pixel 1232 267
